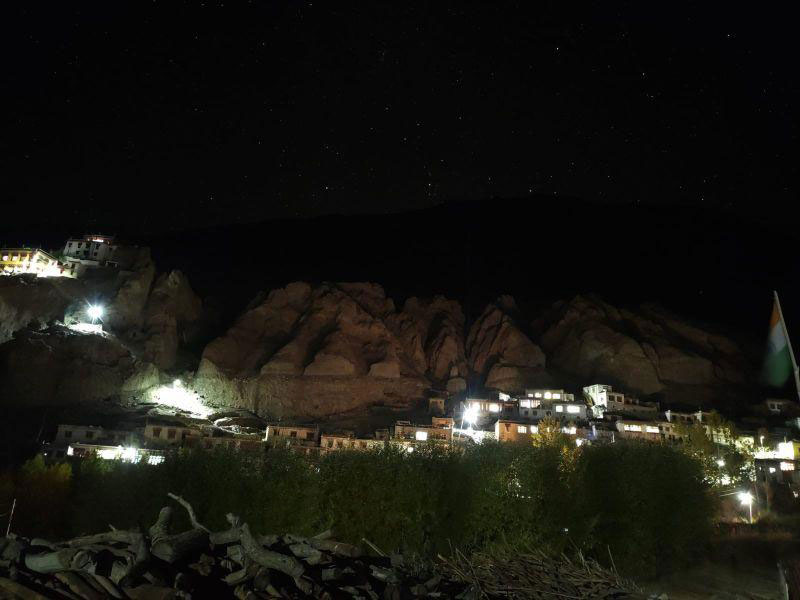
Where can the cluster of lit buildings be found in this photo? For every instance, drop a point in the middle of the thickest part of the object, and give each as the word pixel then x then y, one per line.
pixel 78 255
pixel 601 415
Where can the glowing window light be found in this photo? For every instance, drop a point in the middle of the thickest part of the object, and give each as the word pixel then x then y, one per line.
pixel 547 395
pixel 108 453
pixel 559 408
pixel 530 395
pixel 70 451
pixel 556 396
pixel 494 407
pixel 421 436
pixel 772 469
pixel 572 408
pixel 570 430
pixel 155 459
pixel 651 429
pixel 129 454
pixel 787 466
pixel 525 403
pixel 522 429
pixel 538 395
pixel 534 429
pixel 628 427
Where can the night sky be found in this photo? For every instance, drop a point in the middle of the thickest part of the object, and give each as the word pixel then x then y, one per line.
pixel 164 115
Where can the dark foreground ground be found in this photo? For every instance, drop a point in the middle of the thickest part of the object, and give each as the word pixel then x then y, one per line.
pixel 738 567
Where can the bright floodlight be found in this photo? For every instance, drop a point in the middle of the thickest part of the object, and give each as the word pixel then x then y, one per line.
pixel 95 311
pixel 746 498
pixel 471 415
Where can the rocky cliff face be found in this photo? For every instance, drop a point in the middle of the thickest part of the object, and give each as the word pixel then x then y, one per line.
pixel 500 353
pixel 171 315
pixel 308 351
pixel 59 366
pixel 646 351
pixel 305 351
pixel 432 333
pixel 146 324
pixel 311 352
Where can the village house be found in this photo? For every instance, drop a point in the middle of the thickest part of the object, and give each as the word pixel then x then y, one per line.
pixel 347 440
pixel 161 433
pixel 123 453
pixel 644 430
pixel 494 405
pixel 514 431
pixel 292 435
pixel 404 430
pixel 603 398
pixel 778 406
pixel 15 261
pixel 92 434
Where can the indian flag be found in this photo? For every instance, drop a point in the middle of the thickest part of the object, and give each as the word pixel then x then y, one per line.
pixel 778 364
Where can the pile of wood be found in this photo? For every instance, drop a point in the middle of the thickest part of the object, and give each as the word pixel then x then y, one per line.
pixel 236 563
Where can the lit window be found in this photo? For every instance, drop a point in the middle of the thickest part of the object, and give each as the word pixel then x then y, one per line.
pixel 629 427
pixel 154 459
pixel 422 436
pixel 522 429
pixel 529 395
pixel 494 407
pixel 787 466
pixel 570 430
pixel 651 429
pixel 572 408
pixel 525 403
pixel 772 469
pixel 538 395
pixel 559 408
pixel 476 405
pixel 548 395
pixel 534 429
pixel 556 396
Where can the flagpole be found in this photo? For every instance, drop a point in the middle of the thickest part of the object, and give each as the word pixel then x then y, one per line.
pixel 789 343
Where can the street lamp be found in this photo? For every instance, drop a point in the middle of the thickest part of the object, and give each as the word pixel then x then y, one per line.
pixel 746 499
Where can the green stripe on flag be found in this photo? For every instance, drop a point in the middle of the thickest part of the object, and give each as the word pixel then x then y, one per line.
pixel 778 367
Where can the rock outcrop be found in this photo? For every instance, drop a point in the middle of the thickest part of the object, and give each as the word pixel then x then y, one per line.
pixel 59 366
pixel 146 324
pixel 432 333
pixel 170 315
pixel 645 351
pixel 314 351
pixel 500 353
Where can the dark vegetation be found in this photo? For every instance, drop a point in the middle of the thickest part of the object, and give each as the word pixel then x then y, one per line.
pixel 644 505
